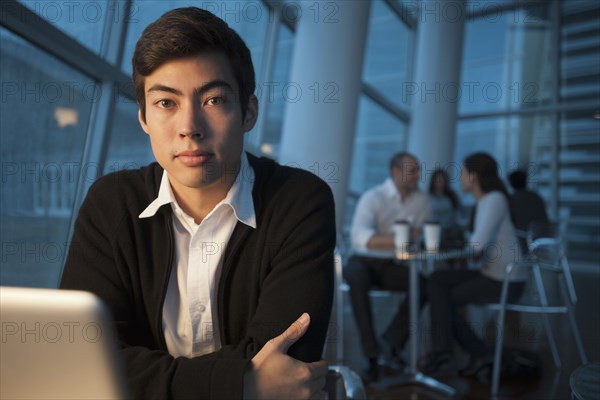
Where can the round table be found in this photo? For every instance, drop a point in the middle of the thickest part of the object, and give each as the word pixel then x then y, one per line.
pixel 585 382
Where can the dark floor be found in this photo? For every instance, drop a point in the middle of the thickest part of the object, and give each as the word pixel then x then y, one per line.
pixel 522 333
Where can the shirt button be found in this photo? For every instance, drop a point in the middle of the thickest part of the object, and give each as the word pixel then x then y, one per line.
pixel 201 308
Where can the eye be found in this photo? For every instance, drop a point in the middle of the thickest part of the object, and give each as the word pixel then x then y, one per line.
pixel 215 101
pixel 165 103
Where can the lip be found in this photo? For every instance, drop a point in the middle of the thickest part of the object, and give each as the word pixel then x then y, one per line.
pixel 191 158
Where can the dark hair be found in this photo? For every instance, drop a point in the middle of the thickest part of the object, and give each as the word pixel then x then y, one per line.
pixel 486 169
pixel 397 159
pixel 448 192
pixel 518 179
pixel 185 32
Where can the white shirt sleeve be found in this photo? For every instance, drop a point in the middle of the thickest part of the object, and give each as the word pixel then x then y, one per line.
pixel 364 223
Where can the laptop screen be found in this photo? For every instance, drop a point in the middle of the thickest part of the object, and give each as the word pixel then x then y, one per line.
pixel 57 344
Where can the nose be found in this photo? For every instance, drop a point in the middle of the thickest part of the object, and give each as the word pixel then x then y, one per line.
pixel 190 123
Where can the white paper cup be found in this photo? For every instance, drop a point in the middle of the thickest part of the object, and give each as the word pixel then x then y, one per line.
pixel 401 235
pixel 432 233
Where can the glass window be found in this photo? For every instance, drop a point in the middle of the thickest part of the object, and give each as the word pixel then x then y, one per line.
pixel 579 181
pixel 128 145
pixel 143 13
pixel 83 20
pixel 387 54
pixel 278 91
pixel 580 62
pixel 248 19
pixel 44 120
pixel 491 7
pixel 378 136
pixel 506 61
pixel 579 145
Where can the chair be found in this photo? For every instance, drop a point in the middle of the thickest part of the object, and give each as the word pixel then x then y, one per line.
pixel 338 305
pixel 546 252
pixel 351 384
pixel 334 349
pixel 342 382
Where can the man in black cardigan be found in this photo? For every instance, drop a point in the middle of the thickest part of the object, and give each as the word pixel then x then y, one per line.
pixel 216 265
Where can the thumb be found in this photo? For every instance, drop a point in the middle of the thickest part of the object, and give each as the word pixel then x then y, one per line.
pixel 291 335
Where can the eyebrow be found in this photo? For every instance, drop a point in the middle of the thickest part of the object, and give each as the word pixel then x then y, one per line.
pixel 217 83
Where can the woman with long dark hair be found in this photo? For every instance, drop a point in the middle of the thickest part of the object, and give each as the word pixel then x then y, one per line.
pixel 444 202
pixel 495 245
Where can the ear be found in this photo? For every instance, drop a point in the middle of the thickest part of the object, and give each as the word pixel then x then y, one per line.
pixel 142 123
pixel 251 114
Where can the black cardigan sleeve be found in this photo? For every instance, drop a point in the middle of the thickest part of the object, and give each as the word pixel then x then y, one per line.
pixel 296 261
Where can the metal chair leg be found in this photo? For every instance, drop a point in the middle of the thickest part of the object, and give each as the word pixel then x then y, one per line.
pixel 568 279
pixel 339 310
pixel 572 321
pixel 500 336
pixel 498 348
pixel 544 302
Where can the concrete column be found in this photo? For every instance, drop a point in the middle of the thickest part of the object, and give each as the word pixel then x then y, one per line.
pixel 323 92
pixel 436 89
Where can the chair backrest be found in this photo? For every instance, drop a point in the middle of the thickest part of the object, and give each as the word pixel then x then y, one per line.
pixel 546 243
pixel 343 383
pixel 547 246
pixel 547 251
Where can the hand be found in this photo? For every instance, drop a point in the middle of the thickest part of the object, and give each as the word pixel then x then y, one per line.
pixel 275 375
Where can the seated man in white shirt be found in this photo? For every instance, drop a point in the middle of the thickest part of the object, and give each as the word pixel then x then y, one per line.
pixel 398 198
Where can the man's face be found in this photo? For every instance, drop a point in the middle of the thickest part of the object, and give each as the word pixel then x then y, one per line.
pixel 407 177
pixel 194 120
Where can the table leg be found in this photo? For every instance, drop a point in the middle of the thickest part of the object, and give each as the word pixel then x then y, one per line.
pixel 414 326
pixel 414 376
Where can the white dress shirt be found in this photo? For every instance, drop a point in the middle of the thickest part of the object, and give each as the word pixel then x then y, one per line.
pixel 190 318
pixel 380 206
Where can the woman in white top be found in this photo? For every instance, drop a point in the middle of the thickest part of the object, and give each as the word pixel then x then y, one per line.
pixel 495 245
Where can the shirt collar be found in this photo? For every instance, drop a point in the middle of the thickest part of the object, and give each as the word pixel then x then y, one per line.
pixel 165 196
pixel 391 191
pixel 239 197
